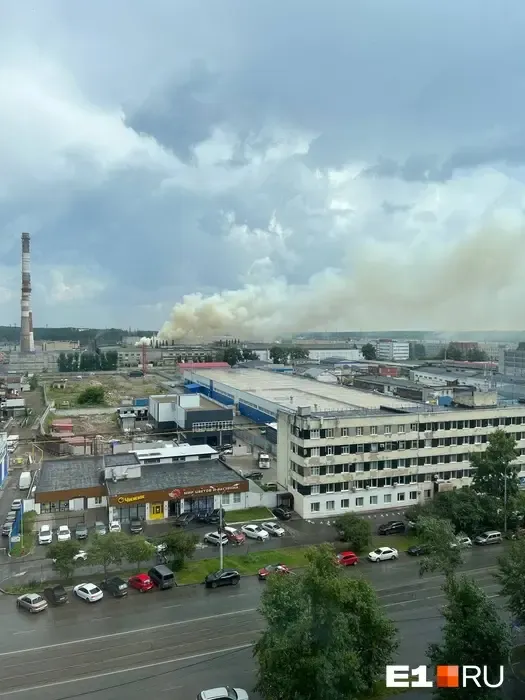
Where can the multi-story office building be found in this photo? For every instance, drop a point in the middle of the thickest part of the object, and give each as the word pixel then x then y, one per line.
pixel 392 350
pixel 512 362
pixel 334 462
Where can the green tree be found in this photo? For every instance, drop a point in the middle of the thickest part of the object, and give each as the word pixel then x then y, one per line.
pixel 33 382
pixel 278 354
pixel 417 351
pixel 107 550
pixel 138 550
pixel 511 575
pixel 470 512
pixel 473 634
pixel 249 354
pixel 180 546
pixel 296 353
pixel 439 538
pixel 368 351
pixel 92 396
pixel 326 638
pixel 62 554
pixel 232 355
pixel 476 355
pixel 354 531
pixel 494 467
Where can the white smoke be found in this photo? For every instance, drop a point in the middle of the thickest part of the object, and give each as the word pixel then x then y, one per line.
pixel 477 284
pixel 144 341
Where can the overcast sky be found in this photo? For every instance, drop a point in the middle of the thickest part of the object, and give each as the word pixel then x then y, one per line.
pixel 160 149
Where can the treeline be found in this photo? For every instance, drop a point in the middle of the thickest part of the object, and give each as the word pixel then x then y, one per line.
pixel 84 336
pixel 87 361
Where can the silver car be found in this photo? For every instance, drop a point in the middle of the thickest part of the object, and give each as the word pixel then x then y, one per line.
pixel 32 602
pixel 100 528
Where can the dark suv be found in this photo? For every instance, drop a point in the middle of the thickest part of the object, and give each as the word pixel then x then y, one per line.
pixel 135 526
pixel 212 517
pixel 183 519
pixel 391 528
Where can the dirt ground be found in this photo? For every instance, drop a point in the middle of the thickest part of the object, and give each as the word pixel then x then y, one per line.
pixel 117 386
pixel 99 423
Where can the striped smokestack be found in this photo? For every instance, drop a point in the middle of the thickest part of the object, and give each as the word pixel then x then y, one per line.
pixel 26 322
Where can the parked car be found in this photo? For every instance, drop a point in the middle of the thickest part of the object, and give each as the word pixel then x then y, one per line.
pixel 100 528
pixel 489 537
pixel 63 533
pixel 81 531
pixel 16 504
pixel 255 532
pixel 11 516
pixel 254 476
pixel 215 538
pixel 79 556
pixel 136 526
pixel 6 528
pixel 282 512
pixel 114 526
pixel 56 595
pixel 417 550
pixel 223 577
pixel 88 592
pixel 347 559
pixel 141 583
pixel 162 577
pixel 462 541
pixel 211 516
pixel 183 519
pixel 234 536
pixel 115 586
pixel 32 602
pixel 224 693
pixel 274 529
pixel 391 528
pixel 272 569
pixel 383 554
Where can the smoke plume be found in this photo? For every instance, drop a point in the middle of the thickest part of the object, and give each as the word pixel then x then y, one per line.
pixel 143 341
pixel 477 284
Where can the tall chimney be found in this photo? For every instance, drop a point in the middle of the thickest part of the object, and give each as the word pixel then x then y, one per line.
pixel 26 323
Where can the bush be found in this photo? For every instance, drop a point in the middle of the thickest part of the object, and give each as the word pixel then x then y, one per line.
pixel 92 396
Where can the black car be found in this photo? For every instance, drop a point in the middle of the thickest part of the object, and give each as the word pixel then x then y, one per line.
pixel 391 528
pixel 56 595
pixel 417 550
pixel 223 577
pixel 183 519
pixel 115 586
pixel 211 517
pixel 135 526
pixel 254 476
pixel 282 512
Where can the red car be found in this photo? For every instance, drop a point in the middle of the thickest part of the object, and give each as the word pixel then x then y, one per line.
pixel 273 569
pixel 347 559
pixel 141 582
pixel 234 536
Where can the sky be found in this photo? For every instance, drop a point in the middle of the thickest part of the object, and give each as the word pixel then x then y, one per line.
pixel 250 168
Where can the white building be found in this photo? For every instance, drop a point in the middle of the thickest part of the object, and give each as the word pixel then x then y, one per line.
pixel 392 350
pixel 336 462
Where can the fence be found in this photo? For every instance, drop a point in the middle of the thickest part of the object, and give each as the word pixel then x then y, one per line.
pixel 251 437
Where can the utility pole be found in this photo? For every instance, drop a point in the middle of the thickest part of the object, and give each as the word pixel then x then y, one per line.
pixel 221 549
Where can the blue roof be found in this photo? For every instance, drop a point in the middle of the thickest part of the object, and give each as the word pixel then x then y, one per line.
pixel 192 387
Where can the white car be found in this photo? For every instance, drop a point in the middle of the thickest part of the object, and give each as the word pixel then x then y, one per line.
pixel 462 541
pixel 79 556
pixel 63 533
pixel 274 529
pixel 223 693
pixel 45 535
pixel 215 538
pixel 383 554
pixel 114 526
pixel 255 532
pixel 16 504
pixel 88 592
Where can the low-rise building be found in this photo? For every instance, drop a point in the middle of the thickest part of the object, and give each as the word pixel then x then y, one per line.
pixel 405 389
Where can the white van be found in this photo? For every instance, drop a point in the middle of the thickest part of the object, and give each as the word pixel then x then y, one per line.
pixel 25 481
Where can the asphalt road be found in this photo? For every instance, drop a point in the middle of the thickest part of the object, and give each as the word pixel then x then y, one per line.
pixel 180 641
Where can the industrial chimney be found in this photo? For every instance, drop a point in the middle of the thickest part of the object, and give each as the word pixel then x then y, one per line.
pixel 27 343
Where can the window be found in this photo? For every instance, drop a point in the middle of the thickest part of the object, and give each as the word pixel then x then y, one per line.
pixel 226 499
pixel 315 507
pixel 315 490
pixel 315 434
pixel 387 498
pixel 330 469
pixel 359 502
pixel 98 500
pixel 373 500
pixel 359 431
pixel 373 430
pixel 400 428
pixel 329 433
pixel 345 450
pixel 345 503
pixel 427 493
pixel 345 485
pixel 330 505
pixel 315 471
pixel 330 450
pixel 330 488
pixel 236 497
pixel 388 429
pixel 315 452
pixel 413 495
pixel 345 432
pixel 400 496
pixel 413 427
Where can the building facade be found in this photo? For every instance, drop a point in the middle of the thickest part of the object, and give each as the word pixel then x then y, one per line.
pixel 357 461
pixel 4 457
pixel 512 362
pixel 392 350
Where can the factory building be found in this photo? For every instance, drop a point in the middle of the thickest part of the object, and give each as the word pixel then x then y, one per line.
pixel 392 350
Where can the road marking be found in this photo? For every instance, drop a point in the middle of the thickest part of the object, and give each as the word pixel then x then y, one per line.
pixel 177 605
pixel 24 632
pixel 430 597
pixel 98 619
pixel 105 674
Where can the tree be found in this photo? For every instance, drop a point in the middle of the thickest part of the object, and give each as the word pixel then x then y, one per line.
pixel 354 531
pixel 476 355
pixel 417 351
pixel 92 396
pixel 439 538
pixel 278 354
pixel 473 634
pixel 493 468
pixel 179 547
pixel 470 512
pixel 63 554
pixel 295 354
pixel 511 575
pixel 326 638
pixel 138 550
pixel 368 351
pixel 249 354
pixel 33 382
pixel 106 550
pixel 232 355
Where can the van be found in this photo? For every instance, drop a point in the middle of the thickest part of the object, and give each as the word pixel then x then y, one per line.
pixel 162 577
pixel 25 481
pixel 489 537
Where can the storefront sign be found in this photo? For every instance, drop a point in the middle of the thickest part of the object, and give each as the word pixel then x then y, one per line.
pixel 209 490
pixel 130 499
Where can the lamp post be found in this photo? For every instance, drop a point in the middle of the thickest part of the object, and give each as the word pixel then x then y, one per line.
pixel 221 550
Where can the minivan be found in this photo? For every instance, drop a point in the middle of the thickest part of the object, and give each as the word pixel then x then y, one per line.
pixel 489 537
pixel 162 577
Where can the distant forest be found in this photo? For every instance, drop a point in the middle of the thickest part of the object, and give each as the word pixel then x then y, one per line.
pixel 103 336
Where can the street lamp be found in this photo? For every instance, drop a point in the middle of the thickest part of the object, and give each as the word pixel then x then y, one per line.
pixel 505 502
pixel 221 550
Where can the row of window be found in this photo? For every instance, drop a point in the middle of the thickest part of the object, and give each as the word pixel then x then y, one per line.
pixel 401 497
pixel 167 460
pixel 235 499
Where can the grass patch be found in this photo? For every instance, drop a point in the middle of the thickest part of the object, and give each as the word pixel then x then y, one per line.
pixel 29 587
pixel 244 516
pixel 399 542
pixel 245 564
pixel 518 654
pixel 26 544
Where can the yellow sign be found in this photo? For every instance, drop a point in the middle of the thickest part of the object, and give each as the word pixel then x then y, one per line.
pixel 130 499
